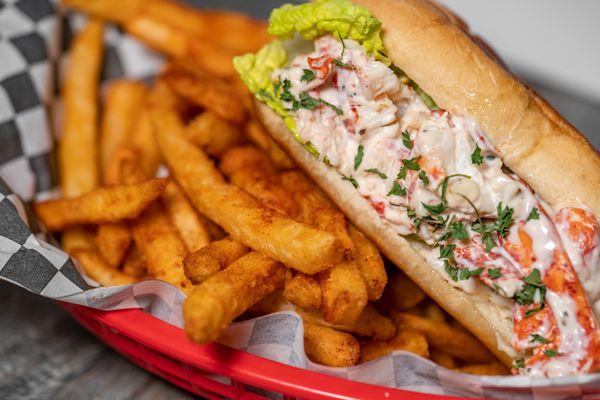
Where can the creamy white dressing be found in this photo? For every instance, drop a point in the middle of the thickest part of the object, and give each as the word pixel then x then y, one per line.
pixel 379 114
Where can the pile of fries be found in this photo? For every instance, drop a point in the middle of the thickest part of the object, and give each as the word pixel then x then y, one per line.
pixel 234 225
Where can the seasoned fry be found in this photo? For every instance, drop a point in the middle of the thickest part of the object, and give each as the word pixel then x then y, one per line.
pixel 344 294
pixel 112 241
pixel 78 151
pixel 407 340
pixel 304 291
pixel 184 217
pixel 96 268
pixel 330 347
pixel 434 312
pixel 259 137
pixel 224 296
pixel 369 262
pixel 134 264
pixel 167 39
pixel 244 157
pixel 316 208
pixel 297 245
pixel 77 238
pixel 493 368
pixel 104 205
pixel 403 293
pixel 442 358
pixel 444 337
pixel 213 134
pixel 110 10
pixel 212 258
pixel 215 231
pixel 143 141
pixel 123 103
pixel 207 92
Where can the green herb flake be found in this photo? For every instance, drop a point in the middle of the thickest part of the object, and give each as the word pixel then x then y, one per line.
pixel 533 214
pixel 360 153
pixel 458 231
pixel 494 273
pixel 308 75
pixel 397 190
pixel 505 220
pixel 401 173
pixel 519 364
pixel 476 157
pixel 447 251
pixel 538 338
pixel 351 180
pixel 327 161
pixel 412 164
pixel 451 270
pixel 424 178
pixel 435 209
pixel 376 172
pixel 550 353
pixel 406 140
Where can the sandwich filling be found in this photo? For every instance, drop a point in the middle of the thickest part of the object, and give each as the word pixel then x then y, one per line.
pixel 435 178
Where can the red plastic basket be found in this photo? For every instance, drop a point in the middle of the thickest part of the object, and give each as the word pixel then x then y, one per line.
pixel 164 350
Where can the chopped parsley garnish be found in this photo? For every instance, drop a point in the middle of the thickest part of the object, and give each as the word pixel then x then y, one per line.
pixel 376 172
pixel 429 102
pixel 397 190
pixel 423 177
pixel 458 231
pixel 538 338
pixel 476 157
pixel 447 251
pixel 550 353
pixel 533 285
pixel 401 173
pixel 485 230
pixel 406 140
pixel 311 149
pixel 451 270
pixel 465 274
pixel 533 214
pixel 505 219
pixel 411 213
pixel 534 278
pixel 435 209
pixel 305 100
pixel 308 102
pixel 286 95
pixel 335 108
pixel 360 153
pixel 264 94
pixel 308 75
pixel 412 164
pixel 494 273
pixel 520 363
pixel 351 180
pixel 340 63
pixel 444 184
pixel 327 161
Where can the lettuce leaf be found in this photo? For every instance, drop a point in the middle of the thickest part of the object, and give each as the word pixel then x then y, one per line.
pixel 341 18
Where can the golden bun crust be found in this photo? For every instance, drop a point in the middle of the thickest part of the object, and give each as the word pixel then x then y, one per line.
pixel 433 47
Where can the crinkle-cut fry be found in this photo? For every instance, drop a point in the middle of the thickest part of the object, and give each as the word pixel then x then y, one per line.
pixel 160 36
pixel 217 301
pixel 100 206
pixel 212 133
pixel 304 291
pixel 77 238
pixel 112 241
pixel 122 105
pixel 259 137
pixel 78 150
pixel 370 323
pixel 442 358
pixel 184 217
pixel 344 294
pixel 134 264
pixel 402 292
pixel 369 262
pixel 258 179
pixel 330 347
pixel 212 258
pixel 208 92
pixel 96 268
pixel 445 337
pixel 297 245
pixel 316 208
pixel 493 368
pixel 407 340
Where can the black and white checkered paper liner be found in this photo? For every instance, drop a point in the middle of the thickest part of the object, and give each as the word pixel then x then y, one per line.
pixel 33 42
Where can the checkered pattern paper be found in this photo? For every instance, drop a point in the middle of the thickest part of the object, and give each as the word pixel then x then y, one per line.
pixel 31 53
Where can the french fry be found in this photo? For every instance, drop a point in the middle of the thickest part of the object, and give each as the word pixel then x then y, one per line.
pixel 78 151
pixel 96 268
pixel 214 231
pixel 212 258
pixel 304 291
pixel 122 105
pixel 407 340
pixel 77 238
pixel 221 298
pixel 344 294
pixel 442 358
pixel 208 92
pixel 110 10
pixel 184 218
pixel 259 137
pixel 213 134
pixel 316 208
pixel 434 312
pixel 369 262
pixel 143 140
pixel 104 205
pixel 445 337
pixel 330 347
pixel 493 368
pixel 134 264
pixel 112 241
pixel 403 293
pixel 257 177
pixel 298 246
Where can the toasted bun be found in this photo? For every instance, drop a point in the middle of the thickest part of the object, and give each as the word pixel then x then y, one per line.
pixel 434 49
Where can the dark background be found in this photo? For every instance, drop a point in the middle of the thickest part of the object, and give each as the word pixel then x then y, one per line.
pixel 44 354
